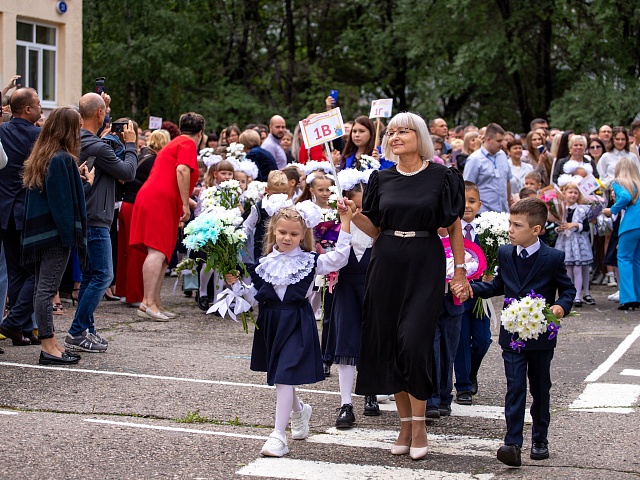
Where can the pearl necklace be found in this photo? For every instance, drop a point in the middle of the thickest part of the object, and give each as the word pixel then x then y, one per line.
pixel 410 174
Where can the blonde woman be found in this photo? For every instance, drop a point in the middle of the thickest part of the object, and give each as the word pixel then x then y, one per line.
pixel 403 207
pixel 627 188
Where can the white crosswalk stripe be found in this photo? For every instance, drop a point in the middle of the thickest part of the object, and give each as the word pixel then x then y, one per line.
pixel 312 470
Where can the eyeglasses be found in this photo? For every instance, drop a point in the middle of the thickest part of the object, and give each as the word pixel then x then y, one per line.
pixel 595 147
pixel 401 132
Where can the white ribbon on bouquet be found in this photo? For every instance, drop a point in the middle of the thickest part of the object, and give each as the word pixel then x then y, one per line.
pixel 241 294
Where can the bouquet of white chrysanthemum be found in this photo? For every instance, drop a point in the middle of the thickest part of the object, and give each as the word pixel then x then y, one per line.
pixel 367 162
pixel 528 318
pixel 235 152
pixel 492 229
pixel 333 198
pixel 226 195
pixel 253 194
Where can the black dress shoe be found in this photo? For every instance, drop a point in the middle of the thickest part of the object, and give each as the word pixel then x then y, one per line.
pixel 624 306
pixel 577 303
pixel 32 338
pixel 48 359
pixel 1 351
pixel 15 335
pixel 510 455
pixel 464 398
pixel 474 385
pixel 371 407
pixel 432 412
pixel 588 299
pixel 539 451
pixel 345 418
pixel 69 353
pixel 203 302
pixel 445 410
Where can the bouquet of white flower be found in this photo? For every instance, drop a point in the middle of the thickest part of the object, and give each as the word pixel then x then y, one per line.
pixel 367 162
pixel 226 195
pixel 492 229
pixel 235 152
pixel 528 318
pixel 253 194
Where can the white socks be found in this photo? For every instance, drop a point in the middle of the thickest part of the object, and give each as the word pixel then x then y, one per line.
pixel 346 376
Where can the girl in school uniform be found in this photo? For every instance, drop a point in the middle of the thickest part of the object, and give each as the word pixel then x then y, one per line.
pixel 285 344
pixel 343 339
pixel 573 239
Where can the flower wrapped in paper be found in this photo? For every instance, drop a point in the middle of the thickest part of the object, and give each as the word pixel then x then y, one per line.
pixel 528 318
pixel 474 258
pixel 555 202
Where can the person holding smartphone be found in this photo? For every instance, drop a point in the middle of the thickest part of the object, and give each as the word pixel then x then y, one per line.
pixel 97 275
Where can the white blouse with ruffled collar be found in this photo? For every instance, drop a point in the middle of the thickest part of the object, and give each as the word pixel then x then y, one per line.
pixel 282 269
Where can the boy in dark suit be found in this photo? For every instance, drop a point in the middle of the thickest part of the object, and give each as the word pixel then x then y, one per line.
pixel 528 264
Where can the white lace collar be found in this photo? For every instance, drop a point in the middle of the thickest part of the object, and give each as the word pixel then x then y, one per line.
pixel 279 268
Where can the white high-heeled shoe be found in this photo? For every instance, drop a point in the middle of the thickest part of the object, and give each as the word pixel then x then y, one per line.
pixel 417 453
pixel 401 449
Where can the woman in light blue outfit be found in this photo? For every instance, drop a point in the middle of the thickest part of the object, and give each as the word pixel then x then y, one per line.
pixel 627 189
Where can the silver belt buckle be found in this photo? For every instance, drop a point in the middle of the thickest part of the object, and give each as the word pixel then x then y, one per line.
pixel 399 233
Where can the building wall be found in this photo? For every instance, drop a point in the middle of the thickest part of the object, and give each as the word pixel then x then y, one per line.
pixel 69 56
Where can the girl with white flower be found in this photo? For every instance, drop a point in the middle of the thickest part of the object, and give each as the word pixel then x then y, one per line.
pixel 285 344
pixel 573 240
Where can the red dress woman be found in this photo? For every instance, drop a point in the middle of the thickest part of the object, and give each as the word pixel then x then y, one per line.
pixel 161 204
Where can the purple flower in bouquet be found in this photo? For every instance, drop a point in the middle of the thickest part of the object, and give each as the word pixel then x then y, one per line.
pixel 516 344
pixel 554 329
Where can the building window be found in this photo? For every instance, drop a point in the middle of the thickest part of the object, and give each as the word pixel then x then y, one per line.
pixel 37 52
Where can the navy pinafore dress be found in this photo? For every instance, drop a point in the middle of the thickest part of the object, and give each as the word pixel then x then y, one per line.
pixel 286 343
pixel 345 324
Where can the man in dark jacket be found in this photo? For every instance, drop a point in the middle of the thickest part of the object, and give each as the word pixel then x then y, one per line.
pixel 18 137
pixel 97 276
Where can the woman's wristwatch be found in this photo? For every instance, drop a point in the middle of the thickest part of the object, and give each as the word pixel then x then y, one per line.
pixel 461 265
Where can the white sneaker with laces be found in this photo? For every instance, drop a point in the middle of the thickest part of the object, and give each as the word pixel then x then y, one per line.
pixel 614 297
pixel 611 280
pixel 300 422
pixel 275 446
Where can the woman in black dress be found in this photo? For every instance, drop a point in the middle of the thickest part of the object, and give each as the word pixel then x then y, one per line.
pixel 403 207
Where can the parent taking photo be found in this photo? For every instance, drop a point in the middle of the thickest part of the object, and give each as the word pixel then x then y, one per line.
pixel 403 207
pixel 161 204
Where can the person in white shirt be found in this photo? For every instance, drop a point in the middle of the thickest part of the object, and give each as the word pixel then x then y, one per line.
pixel 608 161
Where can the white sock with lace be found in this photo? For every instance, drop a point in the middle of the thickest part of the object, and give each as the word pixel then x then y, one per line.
pixel 346 376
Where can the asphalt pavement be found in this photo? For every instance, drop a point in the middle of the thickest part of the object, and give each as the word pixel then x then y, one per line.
pixel 177 400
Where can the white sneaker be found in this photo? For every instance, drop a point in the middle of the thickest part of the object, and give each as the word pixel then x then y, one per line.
pixel 275 446
pixel 614 297
pixel 300 422
pixel 611 280
pixel 382 398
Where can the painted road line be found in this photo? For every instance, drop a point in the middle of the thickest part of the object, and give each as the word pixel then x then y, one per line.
pixel 174 429
pixel 312 470
pixel 615 356
pixel 607 397
pixel 383 439
pixel 476 411
pixel 6 412
pixel 159 377
pixel 630 372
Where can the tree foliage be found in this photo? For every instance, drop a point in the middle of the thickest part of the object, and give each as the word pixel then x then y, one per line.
pixel 575 62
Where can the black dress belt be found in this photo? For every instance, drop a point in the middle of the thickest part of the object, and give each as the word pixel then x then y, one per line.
pixel 400 233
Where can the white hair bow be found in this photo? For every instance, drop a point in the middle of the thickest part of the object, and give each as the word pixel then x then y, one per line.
pixel 565 178
pixel 275 202
pixel 310 213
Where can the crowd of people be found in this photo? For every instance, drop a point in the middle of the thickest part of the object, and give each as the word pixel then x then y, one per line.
pixel 95 208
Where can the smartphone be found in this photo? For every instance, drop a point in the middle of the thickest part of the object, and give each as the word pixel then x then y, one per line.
pixel 334 94
pixel 89 163
pixel 100 85
pixel 118 127
pixel 18 81
pixel 540 148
